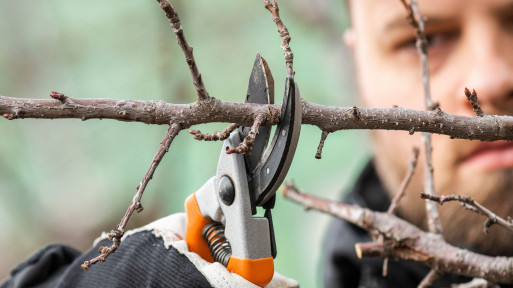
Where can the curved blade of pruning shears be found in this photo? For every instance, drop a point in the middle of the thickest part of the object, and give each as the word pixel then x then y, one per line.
pixel 275 164
pixel 261 91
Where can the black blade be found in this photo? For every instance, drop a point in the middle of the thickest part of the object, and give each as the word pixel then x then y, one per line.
pixel 261 91
pixel 279 155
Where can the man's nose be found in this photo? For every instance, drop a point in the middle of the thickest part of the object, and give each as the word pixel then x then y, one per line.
pixel 491 73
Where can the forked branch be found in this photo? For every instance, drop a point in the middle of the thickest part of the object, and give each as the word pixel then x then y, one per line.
pixel 470 204
pixel 404 241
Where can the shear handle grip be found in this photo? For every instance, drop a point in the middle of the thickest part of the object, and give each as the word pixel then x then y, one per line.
pixel 257 271
pixel 194 227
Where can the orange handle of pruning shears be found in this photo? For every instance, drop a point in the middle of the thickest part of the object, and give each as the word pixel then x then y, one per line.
pixel 257 271
pixel 194 225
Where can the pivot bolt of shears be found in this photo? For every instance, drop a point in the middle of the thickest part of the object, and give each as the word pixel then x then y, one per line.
pixel 226 190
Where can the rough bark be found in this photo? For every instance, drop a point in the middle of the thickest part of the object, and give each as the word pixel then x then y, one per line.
pixel 404 241
pixel 327 118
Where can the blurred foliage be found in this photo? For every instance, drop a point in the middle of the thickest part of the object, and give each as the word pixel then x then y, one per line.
pixel 66 180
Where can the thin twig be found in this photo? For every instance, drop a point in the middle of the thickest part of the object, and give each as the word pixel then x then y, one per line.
pixel 135 205
pixel 285 36
pixel 399 194
pixel 429 279
pixel 115 237
pixel 472 98
pixel 470 204
pixel 246 146
pixel 324 134
pixel 174 20
pixel 384 272
pixel 216 135
pixel 405 241
pixel 433 216
pixel 415 19
pixel 406 181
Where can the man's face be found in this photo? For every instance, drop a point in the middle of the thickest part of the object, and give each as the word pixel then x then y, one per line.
pixel 471 45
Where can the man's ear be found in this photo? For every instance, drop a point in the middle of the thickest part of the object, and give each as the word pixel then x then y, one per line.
pixel 349 38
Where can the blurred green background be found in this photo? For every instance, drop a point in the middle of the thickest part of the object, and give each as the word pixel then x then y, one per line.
pixel 66 181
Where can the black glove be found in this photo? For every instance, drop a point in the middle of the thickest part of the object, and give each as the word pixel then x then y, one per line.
pixel 152 256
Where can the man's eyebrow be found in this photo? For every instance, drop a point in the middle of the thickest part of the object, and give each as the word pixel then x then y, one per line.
pixel 401 22
pixel 504 11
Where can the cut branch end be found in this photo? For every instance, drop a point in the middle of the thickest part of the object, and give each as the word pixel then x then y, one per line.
pixel 59 96
pixel 324 134
pixel 9 116
pixel 358 250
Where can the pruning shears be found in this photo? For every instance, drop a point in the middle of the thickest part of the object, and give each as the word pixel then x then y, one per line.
pixel 221 225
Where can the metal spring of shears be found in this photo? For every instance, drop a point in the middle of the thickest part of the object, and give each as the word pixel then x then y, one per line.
pixel 220 248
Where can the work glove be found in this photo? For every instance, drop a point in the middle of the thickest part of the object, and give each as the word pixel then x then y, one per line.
pixel 155 255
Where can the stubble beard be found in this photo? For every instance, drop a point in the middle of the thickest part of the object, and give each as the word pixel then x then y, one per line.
pixel 465 228
pixel 461 228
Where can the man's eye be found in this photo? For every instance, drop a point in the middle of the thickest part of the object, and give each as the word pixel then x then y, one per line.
pixel 442 40
pixel 408 44
pixel 437 42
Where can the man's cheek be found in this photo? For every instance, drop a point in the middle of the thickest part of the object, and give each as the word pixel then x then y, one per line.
pixel 384 87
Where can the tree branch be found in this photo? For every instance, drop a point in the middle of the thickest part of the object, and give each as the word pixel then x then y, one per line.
pixel 214 136
pixel 429 279
pixel 135 205
pixel 246 146
pixel 404 241
pixel 470 204
pixel 324 134
pixel 174 20
pixel 415 19
pixel 285 36
pixel 327 118
pixel 399 195
pixel 472 98
pixel 405 182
